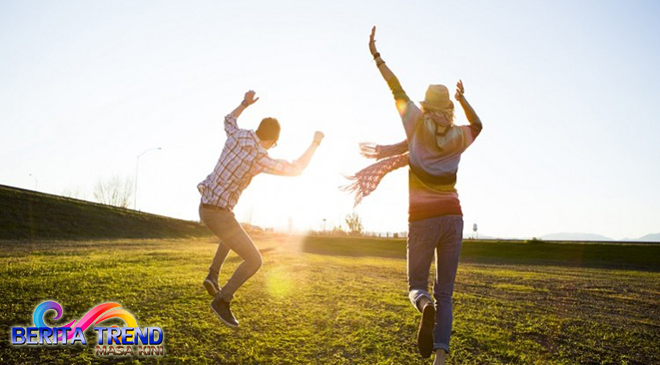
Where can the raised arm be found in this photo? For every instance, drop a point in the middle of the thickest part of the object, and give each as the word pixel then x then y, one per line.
pixel 231 125
pixel 409 112
pixel 284 168
pixel 471 115
pixel 302 162
pixel 385 71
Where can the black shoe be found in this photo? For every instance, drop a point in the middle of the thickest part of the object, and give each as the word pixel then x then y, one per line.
pixel 211 286
pixel 425 333
pixel 222 310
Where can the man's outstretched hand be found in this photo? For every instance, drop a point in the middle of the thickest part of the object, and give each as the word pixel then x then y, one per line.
pixel 249 98
pixel 318 137
pixel 372 42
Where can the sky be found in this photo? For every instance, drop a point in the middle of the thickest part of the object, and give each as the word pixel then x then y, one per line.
pixel 567 92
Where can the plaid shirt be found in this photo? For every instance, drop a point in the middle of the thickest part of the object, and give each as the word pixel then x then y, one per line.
pixel 242 158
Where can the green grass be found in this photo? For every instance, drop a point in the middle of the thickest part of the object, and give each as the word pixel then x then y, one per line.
pixel 316 308
pixel 30 215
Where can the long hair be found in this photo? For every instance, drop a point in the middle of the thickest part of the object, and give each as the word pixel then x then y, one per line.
pixel 447 113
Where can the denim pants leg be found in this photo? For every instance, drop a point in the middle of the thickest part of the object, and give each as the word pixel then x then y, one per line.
pixel 422 238
pixel 440 237
pixel 234 237
pixel 446 264
pixel 220 256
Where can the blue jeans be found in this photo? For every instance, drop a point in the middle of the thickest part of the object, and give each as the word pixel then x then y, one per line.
pixel 442 237
pixel 232 237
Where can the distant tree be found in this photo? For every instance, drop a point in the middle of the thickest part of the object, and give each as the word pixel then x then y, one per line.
pixel 338 231
pixel 115 191
pixel 74 193
pixel 354 223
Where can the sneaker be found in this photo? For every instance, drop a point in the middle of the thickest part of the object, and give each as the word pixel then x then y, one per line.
pixel 211 286
pixel 425 333
pixel 223 311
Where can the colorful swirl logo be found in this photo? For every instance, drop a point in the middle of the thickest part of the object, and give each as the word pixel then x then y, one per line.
pixel 96 315
pixel 113 340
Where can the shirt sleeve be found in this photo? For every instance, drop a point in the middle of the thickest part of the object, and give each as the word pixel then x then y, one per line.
pixel 277 167
pixel 408 111
pixel 231 125
pixel 470 133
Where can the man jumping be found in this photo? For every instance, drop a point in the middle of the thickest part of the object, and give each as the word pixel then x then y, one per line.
pixel 244 155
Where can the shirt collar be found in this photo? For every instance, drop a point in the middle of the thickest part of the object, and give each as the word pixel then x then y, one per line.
pixel 256 140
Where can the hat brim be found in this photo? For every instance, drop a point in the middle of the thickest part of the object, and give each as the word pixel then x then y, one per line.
pixel 434 107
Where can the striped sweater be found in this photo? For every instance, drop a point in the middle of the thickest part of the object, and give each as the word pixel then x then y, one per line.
pixel 433 159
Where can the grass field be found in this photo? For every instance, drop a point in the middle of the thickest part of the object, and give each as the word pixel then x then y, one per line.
pixel 32 215
pixel 321 301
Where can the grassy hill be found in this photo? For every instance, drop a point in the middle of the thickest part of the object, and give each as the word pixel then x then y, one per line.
pixel 30 215
pixel 615 255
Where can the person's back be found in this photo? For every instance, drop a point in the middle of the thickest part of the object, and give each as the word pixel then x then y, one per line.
pixel 241 159
pixel 435 146
pixel 244 155
pixel 432 150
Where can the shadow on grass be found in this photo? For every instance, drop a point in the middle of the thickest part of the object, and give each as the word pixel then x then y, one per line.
pixel 644 257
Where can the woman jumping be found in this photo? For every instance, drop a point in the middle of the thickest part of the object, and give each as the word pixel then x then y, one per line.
pixel 432 150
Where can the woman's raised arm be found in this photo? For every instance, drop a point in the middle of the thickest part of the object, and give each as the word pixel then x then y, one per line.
pixel 402 100
pixel 382 67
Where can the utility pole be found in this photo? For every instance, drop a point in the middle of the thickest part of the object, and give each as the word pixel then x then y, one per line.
pixel 137 170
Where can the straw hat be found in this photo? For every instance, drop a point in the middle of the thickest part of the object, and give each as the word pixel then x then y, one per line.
pixel 437 98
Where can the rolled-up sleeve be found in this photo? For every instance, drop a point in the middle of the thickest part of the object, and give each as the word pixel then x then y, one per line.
pixel 469 133
pixel 231 124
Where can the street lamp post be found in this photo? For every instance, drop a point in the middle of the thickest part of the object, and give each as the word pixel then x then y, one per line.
pixel 137 170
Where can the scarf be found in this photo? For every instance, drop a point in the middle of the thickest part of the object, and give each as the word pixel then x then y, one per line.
pixel 388 157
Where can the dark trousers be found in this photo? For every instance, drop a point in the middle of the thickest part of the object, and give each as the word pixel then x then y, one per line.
pixel 232 237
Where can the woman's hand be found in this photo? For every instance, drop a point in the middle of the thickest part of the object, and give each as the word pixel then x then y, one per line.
pixel 372 42
pixel 459 91
pixel 469 111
